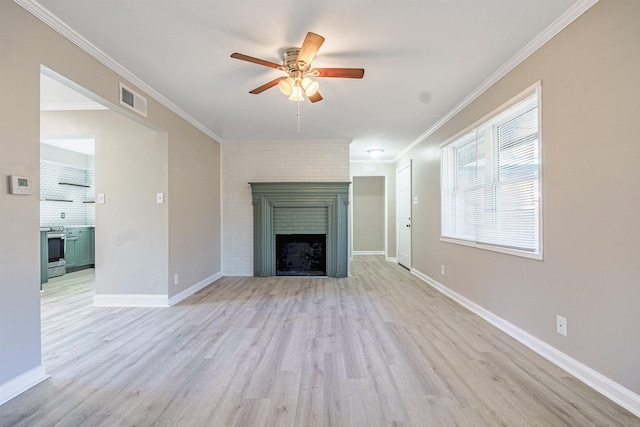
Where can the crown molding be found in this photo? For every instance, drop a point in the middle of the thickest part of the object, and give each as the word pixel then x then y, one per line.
pixel 40 12
pixel 547 34
pixel 286 141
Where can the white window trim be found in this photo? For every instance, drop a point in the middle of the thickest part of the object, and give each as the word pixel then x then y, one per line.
pixel 513 101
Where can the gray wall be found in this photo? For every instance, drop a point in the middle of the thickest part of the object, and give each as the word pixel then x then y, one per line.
pixel 192 168
pixel 368 214
pixel 590 153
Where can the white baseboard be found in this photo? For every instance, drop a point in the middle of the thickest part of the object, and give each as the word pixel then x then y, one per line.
pixel 130 300
pixel 600 383
pixel 392 259
pixel 193 289
pixel 142 300
pixel 22 383
pixel 368 253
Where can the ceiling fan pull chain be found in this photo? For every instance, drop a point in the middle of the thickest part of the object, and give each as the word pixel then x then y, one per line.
pixel 298 115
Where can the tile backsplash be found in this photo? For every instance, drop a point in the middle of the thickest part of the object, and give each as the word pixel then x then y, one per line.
pixel 76 209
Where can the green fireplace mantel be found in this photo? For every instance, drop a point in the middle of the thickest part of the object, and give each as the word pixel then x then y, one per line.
pixel 334 196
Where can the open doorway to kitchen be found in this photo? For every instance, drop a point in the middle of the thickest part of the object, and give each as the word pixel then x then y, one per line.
pixel 112 202
pixel 67 184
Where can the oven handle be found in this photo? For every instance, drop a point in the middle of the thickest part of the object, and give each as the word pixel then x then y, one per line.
pixel 56 236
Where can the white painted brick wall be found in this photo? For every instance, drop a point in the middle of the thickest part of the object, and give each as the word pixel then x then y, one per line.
pixel 76 212
pixel 244 162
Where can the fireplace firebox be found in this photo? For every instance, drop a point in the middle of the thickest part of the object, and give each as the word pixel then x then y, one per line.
pixel 300 209
pixel 301 255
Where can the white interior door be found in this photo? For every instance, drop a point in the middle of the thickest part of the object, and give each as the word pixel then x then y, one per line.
pixel 403 200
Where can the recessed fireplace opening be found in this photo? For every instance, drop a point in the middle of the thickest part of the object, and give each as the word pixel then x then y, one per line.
pixel 301 255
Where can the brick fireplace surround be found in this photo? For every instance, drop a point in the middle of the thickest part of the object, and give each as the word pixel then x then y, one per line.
pixel 300 208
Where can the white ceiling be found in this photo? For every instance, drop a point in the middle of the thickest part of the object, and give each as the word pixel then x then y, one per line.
pixel 83 144
pixel 422 58
pixel 55 96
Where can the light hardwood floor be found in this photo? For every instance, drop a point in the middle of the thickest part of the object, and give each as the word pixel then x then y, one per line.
pixel 380 348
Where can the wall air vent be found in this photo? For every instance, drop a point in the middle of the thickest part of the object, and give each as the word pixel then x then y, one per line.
pixel 133 100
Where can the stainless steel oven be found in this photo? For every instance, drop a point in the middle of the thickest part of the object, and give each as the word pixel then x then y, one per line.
pixel 56 265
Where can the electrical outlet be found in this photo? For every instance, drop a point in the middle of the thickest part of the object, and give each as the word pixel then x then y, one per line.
pixel 62 215
pixel 442 269
pixel 175 279
pixel 561 325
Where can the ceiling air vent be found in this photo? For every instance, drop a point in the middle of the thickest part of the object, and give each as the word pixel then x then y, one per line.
pixel 133 100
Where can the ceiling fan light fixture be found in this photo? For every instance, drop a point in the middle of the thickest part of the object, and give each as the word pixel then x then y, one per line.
pixel 286 86
pixel 296 93
pixel 310 86
pixel 296 63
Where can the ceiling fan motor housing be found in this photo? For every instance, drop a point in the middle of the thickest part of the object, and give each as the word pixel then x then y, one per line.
pixel 289 58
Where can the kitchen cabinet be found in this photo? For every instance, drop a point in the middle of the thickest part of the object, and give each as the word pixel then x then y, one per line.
pixel 70 256
pixel 44 257
pixel 80 248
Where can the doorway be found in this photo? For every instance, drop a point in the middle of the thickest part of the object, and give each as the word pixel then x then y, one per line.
pixel 129 198
pixel 369 215
pixel 403 197
pixel 67 180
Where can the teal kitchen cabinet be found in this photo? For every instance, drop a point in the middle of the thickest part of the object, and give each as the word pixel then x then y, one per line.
pixel 70 250
pixel 44 257
pixel 83 248
pixel 80 248
pixel 92 257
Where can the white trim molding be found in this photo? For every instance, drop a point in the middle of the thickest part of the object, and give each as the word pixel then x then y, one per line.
pixel 354 253
pixel 37 10
pixel 22 383
pixel 146 300
pixel 547 34
pixel 600 383
pixel 193 289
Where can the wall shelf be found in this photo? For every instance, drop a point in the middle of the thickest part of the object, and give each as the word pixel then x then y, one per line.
pixel 58 200
pixel 74 184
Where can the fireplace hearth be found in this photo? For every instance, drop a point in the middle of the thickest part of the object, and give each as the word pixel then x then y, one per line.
pixel 317 210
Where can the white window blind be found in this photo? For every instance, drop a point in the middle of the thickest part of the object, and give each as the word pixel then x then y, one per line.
pixel 490 182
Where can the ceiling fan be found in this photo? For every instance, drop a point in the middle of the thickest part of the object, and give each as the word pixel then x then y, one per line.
pixel 296 62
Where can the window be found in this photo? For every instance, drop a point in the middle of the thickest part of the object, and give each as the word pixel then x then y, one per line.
pixel 490 181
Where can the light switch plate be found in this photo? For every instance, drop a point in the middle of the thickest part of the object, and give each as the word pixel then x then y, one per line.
pixel 159 197
pixel 101 198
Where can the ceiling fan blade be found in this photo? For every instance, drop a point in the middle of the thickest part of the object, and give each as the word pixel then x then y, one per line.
pixel 310 46
pixel 266 86
pixel 258 61
pixel 349 73
pixel 315 97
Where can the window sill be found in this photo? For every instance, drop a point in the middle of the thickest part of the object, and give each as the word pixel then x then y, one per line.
pixel 515 252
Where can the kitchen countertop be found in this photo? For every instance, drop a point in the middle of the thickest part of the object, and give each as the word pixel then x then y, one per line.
pixel 69 226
